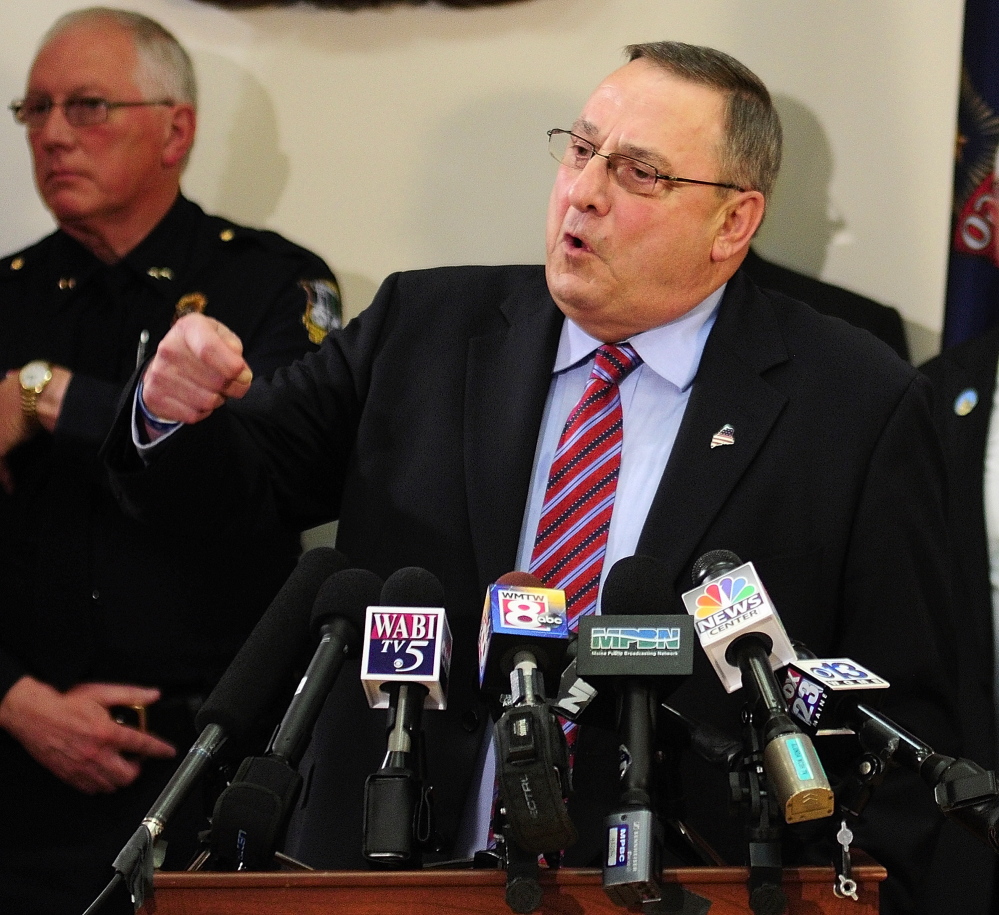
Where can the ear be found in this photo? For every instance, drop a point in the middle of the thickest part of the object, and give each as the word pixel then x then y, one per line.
pixel 179 135
pixel 741 217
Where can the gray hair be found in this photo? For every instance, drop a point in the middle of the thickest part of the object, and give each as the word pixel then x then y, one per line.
pixel 164 68
pixel 751 152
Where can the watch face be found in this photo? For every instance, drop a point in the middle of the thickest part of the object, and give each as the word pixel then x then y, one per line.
pixel 35 374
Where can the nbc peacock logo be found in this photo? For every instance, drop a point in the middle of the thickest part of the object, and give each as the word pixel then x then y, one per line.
pixel 725 603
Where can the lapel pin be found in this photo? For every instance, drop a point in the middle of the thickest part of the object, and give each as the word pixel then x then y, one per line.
pixel 966 401
pixel 724 436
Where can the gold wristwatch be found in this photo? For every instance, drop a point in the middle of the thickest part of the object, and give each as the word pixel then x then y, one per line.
pixel 34 378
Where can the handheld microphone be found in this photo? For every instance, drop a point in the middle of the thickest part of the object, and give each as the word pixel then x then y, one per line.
pixel 251 815
pixel 247 691
pixel 646 652
pixel 523 638
pixel 405 667
pixel 745 641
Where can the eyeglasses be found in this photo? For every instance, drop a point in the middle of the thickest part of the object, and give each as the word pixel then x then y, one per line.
pixel 632 175
pixel 82 111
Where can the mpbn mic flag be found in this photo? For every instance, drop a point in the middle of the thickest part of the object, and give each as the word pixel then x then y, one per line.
pixel 973 273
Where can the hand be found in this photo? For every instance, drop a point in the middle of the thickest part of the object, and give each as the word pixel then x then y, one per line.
pixel 197 365
pixel 73 735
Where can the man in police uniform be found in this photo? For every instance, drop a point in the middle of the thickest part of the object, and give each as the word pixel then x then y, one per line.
pixel 99 613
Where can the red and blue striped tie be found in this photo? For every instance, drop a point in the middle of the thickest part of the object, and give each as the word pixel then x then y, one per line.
pixel 579 499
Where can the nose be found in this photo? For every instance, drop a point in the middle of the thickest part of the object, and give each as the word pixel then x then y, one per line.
pixel 55 130
pixel 590 188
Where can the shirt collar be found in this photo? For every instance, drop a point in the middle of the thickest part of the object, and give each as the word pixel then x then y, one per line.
pixel 673 351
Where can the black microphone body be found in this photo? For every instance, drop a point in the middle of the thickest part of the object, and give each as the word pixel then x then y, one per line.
pixel 631 611
pixel 251 815
pixel 398 815
pixel 246 692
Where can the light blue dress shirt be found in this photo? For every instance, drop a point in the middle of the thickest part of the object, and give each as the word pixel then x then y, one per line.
pixel 653 399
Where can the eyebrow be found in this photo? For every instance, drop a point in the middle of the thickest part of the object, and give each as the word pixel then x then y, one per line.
pixel 589 130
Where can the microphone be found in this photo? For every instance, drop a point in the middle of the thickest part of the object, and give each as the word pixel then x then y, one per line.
pixel 521 615
pixel 246 692
pixel 646 652
pixel 251 815
pixel 405 667
pixel 523 640
pixel 745 641
pixel 840 695
pixel 822 695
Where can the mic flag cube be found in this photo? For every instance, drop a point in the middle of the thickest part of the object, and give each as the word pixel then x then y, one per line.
pixel 732 605
pixel 635 645
pixel 820 692
pixel 406 645
pixel 513 617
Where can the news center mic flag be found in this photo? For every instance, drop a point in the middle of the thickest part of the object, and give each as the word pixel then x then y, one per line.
pixel 973 272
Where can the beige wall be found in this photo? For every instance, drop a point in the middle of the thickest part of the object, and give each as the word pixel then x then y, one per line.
pixel 414 136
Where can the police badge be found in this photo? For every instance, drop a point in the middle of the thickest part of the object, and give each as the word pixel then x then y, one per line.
pixel 323 308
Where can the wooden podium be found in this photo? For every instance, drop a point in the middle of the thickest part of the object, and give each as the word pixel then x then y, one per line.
pixel 566 892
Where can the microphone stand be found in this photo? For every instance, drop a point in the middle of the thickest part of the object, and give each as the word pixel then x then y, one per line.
pixel 751 791
pixel 963 790
pixel 398 812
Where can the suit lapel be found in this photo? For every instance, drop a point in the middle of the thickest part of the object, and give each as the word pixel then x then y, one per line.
pixel 508 376
pixel 728 391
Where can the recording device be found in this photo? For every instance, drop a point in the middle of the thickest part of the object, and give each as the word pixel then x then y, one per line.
pixel 251 815
pixel 745 641
pixel 404 668
pixel 522 645
pixel 635 651
pixel 247 691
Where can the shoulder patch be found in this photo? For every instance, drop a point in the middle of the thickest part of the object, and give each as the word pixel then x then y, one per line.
pixel 323 308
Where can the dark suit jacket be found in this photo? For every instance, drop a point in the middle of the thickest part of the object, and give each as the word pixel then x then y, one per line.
pixel 966 867
pixel 417 427
pixel 881 320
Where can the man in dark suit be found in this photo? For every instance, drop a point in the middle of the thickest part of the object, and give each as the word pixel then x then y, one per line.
pixel 964 389
pixel 881 320
pixel 753 424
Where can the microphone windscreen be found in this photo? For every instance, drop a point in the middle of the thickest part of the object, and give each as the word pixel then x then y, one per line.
pixel 412 587
pixel 520 580
pixel 636 585
pixel 346 596
pixel 712 564
pixel 251 684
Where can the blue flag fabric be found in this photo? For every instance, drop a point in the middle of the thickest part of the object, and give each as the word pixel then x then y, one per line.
pixel 973 273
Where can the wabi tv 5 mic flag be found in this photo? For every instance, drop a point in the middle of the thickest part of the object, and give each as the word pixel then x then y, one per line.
pixel 407 642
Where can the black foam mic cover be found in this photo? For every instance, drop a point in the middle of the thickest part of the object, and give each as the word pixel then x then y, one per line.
pixel 253 682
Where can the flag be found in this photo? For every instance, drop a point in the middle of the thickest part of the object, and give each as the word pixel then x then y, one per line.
pixel 973 272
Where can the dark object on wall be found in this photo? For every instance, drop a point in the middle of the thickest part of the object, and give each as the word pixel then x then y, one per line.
pixel 352 5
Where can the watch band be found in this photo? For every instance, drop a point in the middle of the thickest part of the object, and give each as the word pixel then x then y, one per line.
pixel 31 392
